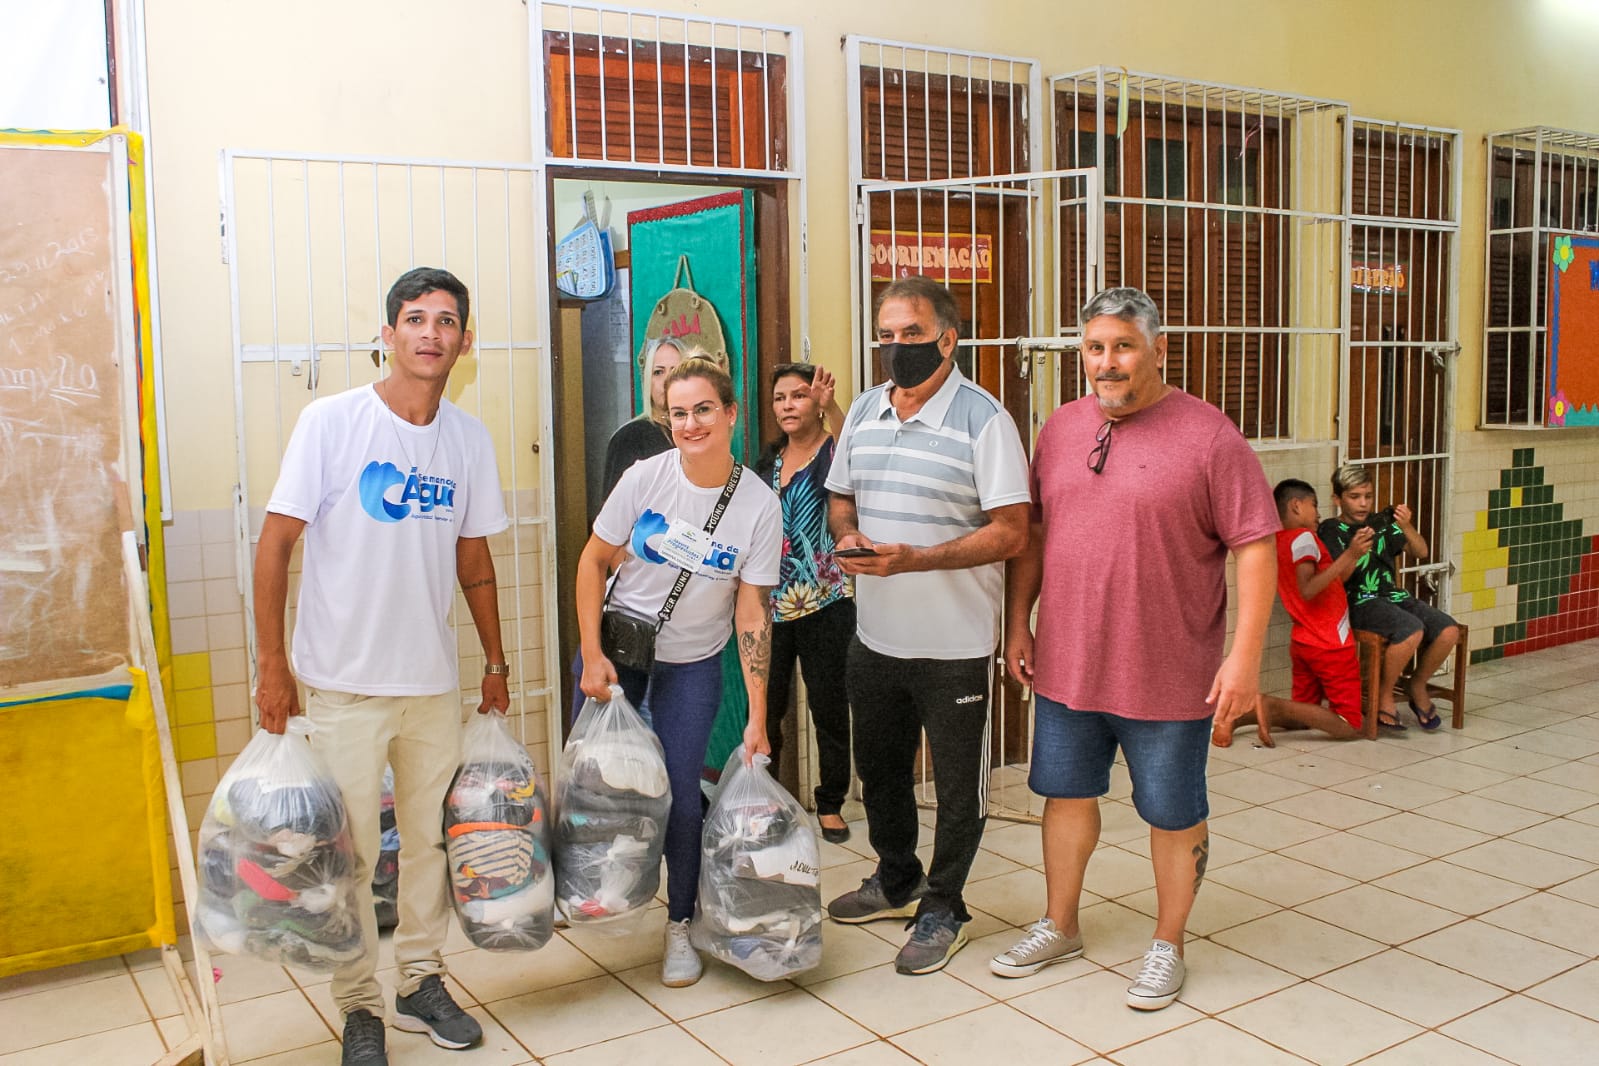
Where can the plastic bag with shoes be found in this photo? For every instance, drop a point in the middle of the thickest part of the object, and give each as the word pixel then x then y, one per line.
pixel 497 841
pixel 611 808
pixel 760 898
pixel 277 865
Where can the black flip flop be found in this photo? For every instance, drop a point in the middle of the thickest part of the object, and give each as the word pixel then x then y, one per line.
pixel 1429 720
pixel 1396 726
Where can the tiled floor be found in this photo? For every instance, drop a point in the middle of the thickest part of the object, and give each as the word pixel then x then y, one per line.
pixel 1431 899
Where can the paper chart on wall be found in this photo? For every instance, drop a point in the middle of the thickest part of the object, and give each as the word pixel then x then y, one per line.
pixel 63 607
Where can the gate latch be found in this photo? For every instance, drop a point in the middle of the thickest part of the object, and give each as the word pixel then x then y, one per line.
pixel 1030 349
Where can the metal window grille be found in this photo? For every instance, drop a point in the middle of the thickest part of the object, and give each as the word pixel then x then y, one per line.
pixel 633 89
pixel 312 244
pixel 1399 385
pixel 925 125
pixel 1541 182
pixel 1228 206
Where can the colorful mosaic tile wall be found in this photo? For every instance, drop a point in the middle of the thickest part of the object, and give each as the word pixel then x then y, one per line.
pixel 1549 564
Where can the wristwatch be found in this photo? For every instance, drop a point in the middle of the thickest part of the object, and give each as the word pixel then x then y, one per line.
pixel 497 670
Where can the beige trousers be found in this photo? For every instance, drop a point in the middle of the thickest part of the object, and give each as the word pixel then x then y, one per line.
pixel 420 737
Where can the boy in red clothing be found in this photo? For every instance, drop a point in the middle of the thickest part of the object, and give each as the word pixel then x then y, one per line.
pixel 1310 583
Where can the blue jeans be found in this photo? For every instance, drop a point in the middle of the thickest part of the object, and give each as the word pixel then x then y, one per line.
pixel 684 698
pixel 1073 751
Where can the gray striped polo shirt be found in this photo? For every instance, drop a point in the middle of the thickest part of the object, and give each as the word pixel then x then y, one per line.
pixel 926 481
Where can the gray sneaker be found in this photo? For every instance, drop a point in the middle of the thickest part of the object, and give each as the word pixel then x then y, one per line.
pixel 364 1043
pixel 935 939
pixel 1159 979
pixel 430 1010
pixel 1043 945
pixel 680 966
pixel 868 903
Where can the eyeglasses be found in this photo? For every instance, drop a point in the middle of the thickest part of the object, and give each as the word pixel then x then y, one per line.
pixel 1101 452
pixel 704 414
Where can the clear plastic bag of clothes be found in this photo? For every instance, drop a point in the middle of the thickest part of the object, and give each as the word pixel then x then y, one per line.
pixel 611 807
pixel 497 840
pixel 277 866
pixel 760 898
pixel 386 874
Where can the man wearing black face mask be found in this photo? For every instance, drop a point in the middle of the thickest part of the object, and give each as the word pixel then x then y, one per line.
pixel 930 478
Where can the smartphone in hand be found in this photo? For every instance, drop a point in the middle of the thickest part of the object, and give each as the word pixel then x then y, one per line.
pixel 853 553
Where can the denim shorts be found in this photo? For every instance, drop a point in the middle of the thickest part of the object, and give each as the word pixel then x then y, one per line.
pixel 1073 752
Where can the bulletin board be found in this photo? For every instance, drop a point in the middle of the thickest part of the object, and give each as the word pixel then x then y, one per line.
pixel 1573 371
pixel 78 470
pixel 61 419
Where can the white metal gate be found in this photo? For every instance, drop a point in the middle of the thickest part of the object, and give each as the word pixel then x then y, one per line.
pixel 947 181
pixel 1400 377
pixel 312 244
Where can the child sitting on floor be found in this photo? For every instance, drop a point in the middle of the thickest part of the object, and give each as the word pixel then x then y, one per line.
pixel 1378 604
pixel 1322 646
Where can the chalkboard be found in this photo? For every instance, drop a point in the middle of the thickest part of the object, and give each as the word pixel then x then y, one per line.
pixel 63 606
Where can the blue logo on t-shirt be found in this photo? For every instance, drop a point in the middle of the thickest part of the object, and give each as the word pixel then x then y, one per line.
pixel 649 524
pixel 722 557
pixel 430 494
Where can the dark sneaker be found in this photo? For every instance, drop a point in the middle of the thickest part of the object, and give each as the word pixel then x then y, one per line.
pixel 1043 945
pixel 430 1010
pixel 364 1043
pixel 935 939
pixel 1159 979
pixel 868 903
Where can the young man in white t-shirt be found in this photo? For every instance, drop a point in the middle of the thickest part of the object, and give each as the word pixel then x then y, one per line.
pixel 397 492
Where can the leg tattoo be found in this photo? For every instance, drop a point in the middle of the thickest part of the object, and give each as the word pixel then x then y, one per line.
pixel 1201 858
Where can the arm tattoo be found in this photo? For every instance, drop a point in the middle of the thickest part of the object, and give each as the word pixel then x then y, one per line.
pixel 1201 860
pixel 477 584
pixel 755 648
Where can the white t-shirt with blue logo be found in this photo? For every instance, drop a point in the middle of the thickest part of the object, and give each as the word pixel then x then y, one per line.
pixel 746 546
pixel 384 503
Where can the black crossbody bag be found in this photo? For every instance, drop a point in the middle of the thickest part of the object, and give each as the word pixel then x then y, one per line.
pixel 628 638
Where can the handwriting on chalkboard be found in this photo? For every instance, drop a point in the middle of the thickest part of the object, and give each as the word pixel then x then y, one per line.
pixel 63 611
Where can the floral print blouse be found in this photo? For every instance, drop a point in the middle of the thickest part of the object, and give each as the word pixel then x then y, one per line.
pixel 809 577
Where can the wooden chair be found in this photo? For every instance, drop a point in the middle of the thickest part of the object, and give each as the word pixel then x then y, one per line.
pixel 1372 648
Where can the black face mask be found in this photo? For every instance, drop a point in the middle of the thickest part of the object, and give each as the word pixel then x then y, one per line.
pixel 908 365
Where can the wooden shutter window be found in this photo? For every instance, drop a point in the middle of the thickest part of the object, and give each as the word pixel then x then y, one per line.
pixel 643 102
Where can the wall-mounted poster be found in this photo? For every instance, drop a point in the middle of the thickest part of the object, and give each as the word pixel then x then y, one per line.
pixel 1573 376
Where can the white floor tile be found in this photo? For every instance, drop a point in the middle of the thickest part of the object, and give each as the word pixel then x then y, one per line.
pixel 1496 955
pixel 1553 919
pixel 1430 1049
pixel 1280 880
pixel 1320 1024
pixel 1528 1032
pixel 782 1031
pixel 1297 944
pixel 1206 1041
pixel 1575 990
pixel 1093 1011
pixel 1446 885
pixel 1521 863
pixel 67 1011
pixel 1267 829
pixel 996 1033
pixel 1332 809
pixel 576 1015
pixel 132 1045
pixel 1354 856
pixel 1413 988
pixel 1383 916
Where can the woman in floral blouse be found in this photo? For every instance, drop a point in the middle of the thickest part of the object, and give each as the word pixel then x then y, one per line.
pixel 813 605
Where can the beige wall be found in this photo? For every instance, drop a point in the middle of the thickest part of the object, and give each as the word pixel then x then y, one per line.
pixel 420 79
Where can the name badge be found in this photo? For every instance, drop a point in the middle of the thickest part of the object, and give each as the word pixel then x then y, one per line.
pixel 684 545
